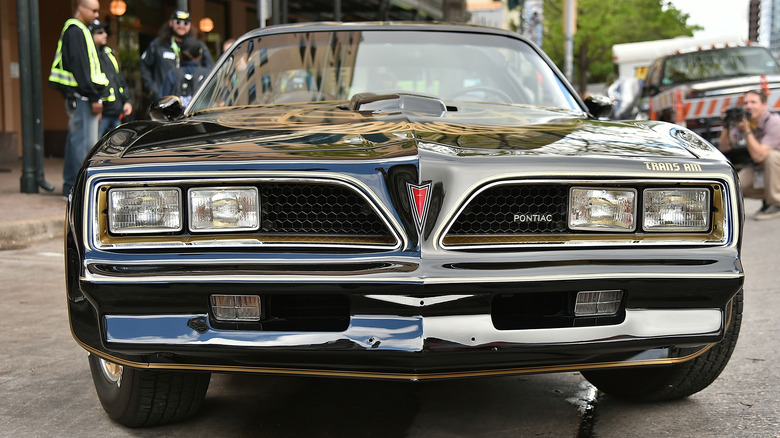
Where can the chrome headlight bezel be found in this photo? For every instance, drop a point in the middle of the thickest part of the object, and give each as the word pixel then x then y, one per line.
pixel 723 216
pixel 101 238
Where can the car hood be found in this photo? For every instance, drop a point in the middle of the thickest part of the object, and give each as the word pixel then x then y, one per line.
pixel 332 130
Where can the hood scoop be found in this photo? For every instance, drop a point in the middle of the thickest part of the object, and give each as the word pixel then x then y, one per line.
pixel 392 104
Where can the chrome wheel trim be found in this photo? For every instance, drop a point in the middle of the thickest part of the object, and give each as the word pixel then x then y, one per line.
pixel 111 371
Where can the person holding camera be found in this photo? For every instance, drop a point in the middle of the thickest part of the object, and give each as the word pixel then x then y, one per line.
pixel 760 130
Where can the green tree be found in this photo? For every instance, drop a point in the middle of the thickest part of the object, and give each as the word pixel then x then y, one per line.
pixel 602 23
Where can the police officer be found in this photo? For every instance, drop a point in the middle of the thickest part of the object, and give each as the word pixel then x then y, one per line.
pixel 162 55
pixel 76 73
pixel 116 101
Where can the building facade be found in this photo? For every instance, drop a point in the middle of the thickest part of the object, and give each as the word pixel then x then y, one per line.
pixel 769 25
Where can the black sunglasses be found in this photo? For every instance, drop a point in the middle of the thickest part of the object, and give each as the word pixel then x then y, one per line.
pixel 181 22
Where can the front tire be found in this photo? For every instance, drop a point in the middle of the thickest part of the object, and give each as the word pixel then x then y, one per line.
pixel 139 398
pixel 675 381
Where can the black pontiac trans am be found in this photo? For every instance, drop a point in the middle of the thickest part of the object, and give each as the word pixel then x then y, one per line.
pixel 398 201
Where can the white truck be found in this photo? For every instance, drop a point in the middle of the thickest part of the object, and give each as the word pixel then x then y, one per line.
pixel 632 61
pixel 694 88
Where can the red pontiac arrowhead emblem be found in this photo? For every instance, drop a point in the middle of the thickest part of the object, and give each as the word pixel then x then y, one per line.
pixel 418 197
pixel 420 193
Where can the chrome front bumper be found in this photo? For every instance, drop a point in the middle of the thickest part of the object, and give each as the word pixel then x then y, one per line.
pixel 408 334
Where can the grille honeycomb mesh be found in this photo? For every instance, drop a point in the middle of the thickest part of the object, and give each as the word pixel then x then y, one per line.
pixel 493 210
pixel 305 208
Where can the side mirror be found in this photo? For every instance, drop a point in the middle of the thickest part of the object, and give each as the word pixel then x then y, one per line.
pixel 644 105
pixel 166 109
pixel 599 106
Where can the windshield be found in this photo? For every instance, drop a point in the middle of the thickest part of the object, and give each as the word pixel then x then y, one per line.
pixel 716 64
pixel 316 66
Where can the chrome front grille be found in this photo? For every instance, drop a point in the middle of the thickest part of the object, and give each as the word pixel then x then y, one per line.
pixel 493 210
pixel 303 208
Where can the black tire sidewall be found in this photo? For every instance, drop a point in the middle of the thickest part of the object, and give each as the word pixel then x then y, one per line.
pixel 115 399
pixel 675 381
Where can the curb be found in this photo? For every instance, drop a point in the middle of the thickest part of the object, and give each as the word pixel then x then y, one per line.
pixel 19 233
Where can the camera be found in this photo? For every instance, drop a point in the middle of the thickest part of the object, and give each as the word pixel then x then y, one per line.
pixel 734 115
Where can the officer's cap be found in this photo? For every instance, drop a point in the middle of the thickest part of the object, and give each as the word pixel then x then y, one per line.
pixel 181 15
pixel 97 25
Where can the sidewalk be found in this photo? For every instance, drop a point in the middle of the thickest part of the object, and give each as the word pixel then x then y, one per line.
pixel 28 217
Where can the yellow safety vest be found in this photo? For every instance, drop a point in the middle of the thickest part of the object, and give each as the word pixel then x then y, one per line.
pixel 63 77
pixel 111 93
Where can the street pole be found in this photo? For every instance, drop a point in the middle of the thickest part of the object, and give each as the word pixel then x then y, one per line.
pixel 261 12
pixel 570 17
pixel 31 94
pixel 276 12
pixel 37 97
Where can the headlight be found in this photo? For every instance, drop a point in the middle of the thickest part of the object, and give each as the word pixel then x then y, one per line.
pixel 224 209
pixel 136 210
pixel 679 209
pixel 597 209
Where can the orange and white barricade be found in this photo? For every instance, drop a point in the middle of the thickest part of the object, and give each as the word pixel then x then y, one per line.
pixel 704 107
pixel 679 108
